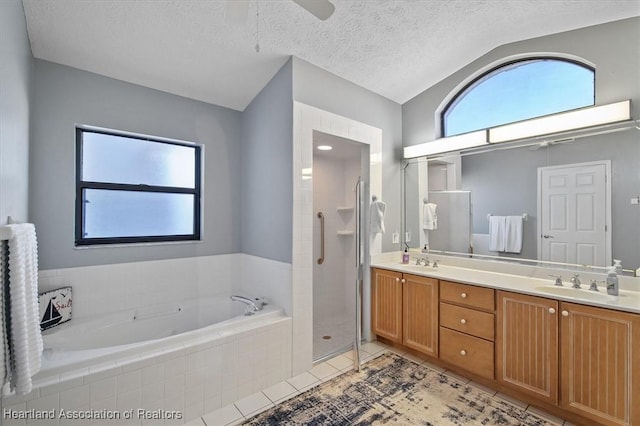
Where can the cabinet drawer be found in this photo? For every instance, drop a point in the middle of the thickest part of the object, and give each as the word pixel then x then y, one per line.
pixel 466 320
pixel 471 353
pixel 468 295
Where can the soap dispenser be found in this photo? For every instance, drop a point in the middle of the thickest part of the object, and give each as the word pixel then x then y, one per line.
pixel 405 257
pixel 618 264
pixel 612 281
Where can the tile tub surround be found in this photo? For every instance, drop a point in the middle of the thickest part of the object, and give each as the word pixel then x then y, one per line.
pixel 192 379
pixel 513 277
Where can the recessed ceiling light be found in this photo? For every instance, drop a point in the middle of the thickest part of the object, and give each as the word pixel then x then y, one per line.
pixel 325 147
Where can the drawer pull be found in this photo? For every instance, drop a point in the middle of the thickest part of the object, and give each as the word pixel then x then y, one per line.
pixel 463 295
pixel 463 321
pixel 552 311
pixel 565 313
pixel 463 352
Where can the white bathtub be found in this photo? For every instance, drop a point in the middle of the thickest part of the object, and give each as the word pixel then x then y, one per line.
pixel 193 357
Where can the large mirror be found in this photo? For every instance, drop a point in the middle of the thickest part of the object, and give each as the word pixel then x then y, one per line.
pixel 554 187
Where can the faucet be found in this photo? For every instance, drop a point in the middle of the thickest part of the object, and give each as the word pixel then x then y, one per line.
pixel 253 306
pixel 575 280
pixel 422 261
pixel 558 280
pixel 594 285
pixel 435 263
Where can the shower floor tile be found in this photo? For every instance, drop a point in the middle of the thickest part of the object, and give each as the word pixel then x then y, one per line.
pixel 341 332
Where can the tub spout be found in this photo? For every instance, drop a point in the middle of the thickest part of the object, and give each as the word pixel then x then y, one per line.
pixel 253 305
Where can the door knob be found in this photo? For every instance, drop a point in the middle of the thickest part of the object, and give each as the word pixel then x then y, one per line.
pixel 547 236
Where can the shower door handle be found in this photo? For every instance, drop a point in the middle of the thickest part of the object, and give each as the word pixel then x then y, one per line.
pixel 321 258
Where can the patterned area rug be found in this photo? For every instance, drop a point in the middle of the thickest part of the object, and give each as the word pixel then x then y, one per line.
pixel 392 390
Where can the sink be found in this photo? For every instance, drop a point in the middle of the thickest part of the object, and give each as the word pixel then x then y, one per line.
pixel 600 296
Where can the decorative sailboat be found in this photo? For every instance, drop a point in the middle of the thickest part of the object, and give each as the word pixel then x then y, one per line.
pixel 51 316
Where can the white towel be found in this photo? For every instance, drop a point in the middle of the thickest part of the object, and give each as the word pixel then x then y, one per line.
pixel 430 217
pixel 513 234
pixel 497 231
pixel 376 212
pixel 25 340
pixel 5 368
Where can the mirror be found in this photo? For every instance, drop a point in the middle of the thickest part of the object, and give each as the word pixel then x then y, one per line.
pixel 509 180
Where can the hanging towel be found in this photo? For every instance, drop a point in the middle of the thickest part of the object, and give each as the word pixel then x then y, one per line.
pixel 376 214
pixel 5 368
pixel 430 217
pixel 497 231
pixel 25 339
pixel 513 234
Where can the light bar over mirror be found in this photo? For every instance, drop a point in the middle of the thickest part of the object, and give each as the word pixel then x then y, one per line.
pixel 451 143
pixel 551 124
pixel 562 122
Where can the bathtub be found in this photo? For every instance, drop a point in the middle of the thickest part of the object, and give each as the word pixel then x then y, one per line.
pixel 190 357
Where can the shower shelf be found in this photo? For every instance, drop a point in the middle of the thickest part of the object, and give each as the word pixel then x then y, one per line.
pixel 345 232
pixel 344 209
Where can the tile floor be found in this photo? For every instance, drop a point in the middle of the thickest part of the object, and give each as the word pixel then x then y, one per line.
pixel 342 330
pixel 236 413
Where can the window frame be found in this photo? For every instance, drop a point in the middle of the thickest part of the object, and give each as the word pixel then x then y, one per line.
pixel 506 64
pixel 81 185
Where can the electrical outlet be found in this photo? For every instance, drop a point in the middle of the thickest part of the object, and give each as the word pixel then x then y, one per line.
pixel 635 200
pixel 395 238
pixel 407 237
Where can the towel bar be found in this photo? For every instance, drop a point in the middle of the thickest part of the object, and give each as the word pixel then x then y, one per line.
pixel 525 216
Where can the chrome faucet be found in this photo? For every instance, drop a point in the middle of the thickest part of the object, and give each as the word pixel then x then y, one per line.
pixel 575 280
pixel 558 280
pixel 253 306
pixel 594 285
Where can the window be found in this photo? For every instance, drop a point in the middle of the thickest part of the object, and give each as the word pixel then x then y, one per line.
pixel 518 91
pixel 132 189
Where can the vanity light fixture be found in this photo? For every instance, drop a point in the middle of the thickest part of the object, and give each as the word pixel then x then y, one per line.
pixel 450 143
pixel 325 147
pixel 562 122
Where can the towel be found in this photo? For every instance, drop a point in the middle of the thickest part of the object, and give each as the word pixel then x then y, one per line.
pixel 5 368
pixel 430 217
pixel 376 214
pixel 497 231
pixel 513 234
pixel 25 341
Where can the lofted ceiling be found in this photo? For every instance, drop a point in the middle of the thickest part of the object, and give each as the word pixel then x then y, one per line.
pixel 198 49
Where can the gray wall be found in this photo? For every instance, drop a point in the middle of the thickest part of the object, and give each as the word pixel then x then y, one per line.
pixel 15 94
pixel 63 97
pixel 498 180
pixel 267 170
pixel 321 89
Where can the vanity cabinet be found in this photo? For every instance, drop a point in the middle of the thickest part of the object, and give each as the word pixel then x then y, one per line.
pixel 386 304
pixel 600 364
pixel 467 327
pixel 527 345
pixel 405 310
pixel 581 358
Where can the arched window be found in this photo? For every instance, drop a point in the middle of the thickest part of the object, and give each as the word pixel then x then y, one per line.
pixel 517 91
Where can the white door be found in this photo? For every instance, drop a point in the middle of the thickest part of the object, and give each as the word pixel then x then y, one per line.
pixel 573 211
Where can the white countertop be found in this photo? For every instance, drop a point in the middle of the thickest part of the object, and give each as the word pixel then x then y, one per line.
pixel 628 301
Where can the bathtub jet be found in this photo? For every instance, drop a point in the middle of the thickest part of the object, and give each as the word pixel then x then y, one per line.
pixel 253 305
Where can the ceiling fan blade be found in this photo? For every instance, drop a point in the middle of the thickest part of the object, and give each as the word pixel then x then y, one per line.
pixel 321 9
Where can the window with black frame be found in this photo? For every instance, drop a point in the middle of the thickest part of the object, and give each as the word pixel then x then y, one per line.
pixel 135 189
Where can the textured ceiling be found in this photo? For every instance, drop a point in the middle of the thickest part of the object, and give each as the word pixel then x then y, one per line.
pixel 394 48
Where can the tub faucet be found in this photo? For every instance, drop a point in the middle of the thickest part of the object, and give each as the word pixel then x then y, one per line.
pixel 253 306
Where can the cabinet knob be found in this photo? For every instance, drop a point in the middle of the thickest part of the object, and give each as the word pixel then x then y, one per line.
pixel 463 321
pixel 403 280
pixel 463 295
pixel 565 313
pixel 552 311
pixel 463 352
pixel 397 280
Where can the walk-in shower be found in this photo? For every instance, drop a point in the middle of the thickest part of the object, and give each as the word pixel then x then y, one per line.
pixel 339 247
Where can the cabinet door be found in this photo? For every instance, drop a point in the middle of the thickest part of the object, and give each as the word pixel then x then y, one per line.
pixel 527 345
pixel 386 304
pixel 420 314
pixel 600 359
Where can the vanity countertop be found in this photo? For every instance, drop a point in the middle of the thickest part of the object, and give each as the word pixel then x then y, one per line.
pixel 628 301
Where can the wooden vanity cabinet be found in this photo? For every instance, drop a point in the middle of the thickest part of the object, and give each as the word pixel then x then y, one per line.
pixel 405 310
pixel 467 327
pixel 527 345
pixel 600 364
pixel 386 304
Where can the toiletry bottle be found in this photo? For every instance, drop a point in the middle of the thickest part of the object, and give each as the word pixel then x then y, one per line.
pixel 618 264
pixel 612 281
pixel 405 257
pixel 426 248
